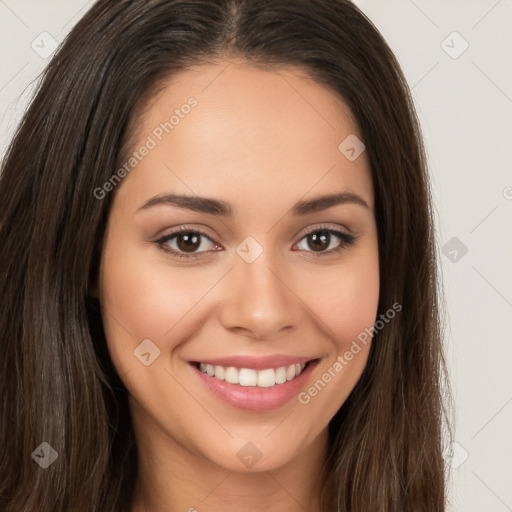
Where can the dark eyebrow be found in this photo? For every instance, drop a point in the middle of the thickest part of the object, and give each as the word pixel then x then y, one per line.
pixel 218 207
pixel 323 202
pixel 194 203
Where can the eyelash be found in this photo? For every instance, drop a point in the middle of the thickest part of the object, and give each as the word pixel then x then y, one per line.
pixel 346 241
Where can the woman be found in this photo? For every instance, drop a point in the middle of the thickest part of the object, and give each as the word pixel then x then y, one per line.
pixel 219 269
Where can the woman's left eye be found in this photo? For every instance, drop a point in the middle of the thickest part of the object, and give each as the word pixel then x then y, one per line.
pixel 187 243
pixel 326 240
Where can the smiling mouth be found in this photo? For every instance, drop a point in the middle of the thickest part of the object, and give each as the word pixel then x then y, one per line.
pixel 264 378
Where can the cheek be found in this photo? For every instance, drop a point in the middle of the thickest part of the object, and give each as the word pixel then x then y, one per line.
pixel 346 297
pixel 351 306
pixel 346 302
pixel 143 299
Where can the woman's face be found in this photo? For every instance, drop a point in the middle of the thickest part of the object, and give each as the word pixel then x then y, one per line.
pixel 238 159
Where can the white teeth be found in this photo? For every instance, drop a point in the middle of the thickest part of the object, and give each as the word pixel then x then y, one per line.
pixel 266 378
pixel 281 375
pixel 290 372
pixel 249 377
pixel 219 372
pixel 232 375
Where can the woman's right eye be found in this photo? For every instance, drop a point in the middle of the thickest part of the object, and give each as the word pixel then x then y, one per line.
pixel 186 243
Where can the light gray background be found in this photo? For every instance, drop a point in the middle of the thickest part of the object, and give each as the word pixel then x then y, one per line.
pixel 465 108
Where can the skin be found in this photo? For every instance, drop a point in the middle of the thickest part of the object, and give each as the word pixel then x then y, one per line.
pixel 260 140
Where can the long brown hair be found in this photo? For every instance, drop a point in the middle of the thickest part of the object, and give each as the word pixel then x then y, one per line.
pixel 57 383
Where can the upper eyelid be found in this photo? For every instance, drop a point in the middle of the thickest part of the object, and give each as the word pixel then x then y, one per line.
pixel 325 226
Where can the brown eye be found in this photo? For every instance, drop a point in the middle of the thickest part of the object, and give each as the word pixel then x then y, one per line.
pixel 188 242
pixel 319 241
pixel 325 240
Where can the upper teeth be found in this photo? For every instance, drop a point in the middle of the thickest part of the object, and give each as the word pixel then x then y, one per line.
pixel 249 377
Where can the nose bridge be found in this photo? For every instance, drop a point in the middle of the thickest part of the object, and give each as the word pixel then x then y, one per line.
pixel 260 300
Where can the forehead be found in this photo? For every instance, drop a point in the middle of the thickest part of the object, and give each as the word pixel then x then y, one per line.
pixel 250 131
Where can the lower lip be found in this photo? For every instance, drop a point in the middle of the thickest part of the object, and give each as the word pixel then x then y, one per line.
pixel 253 398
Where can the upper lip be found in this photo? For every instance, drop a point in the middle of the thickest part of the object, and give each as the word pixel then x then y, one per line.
pixel 254 362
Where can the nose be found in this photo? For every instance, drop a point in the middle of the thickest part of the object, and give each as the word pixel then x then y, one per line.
pixel 259 300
